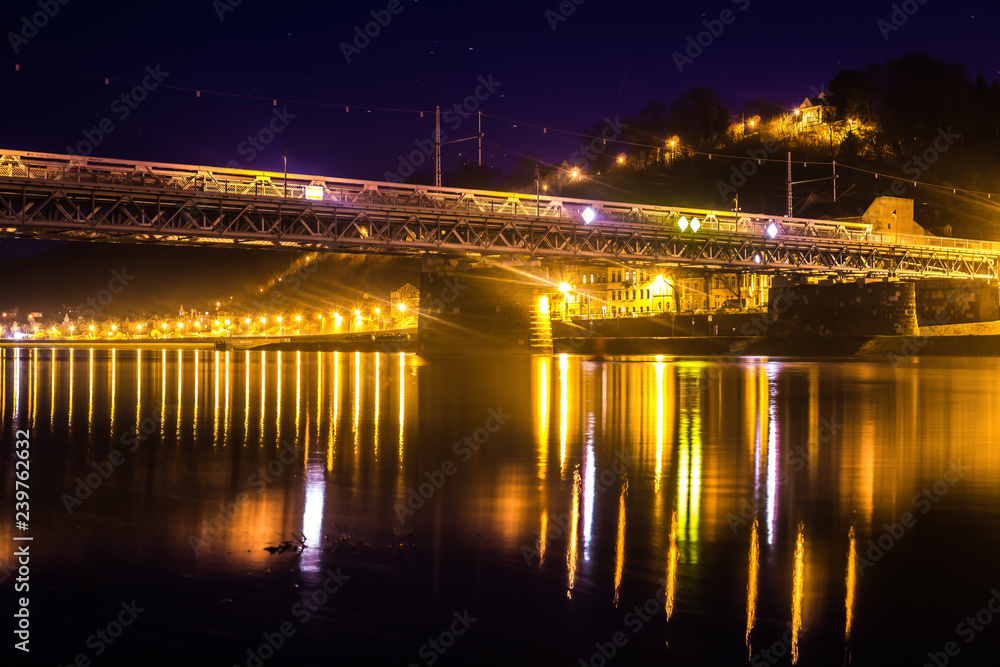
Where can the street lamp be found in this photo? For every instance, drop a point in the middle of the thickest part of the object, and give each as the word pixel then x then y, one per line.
pixel 660 288
pixel 565 288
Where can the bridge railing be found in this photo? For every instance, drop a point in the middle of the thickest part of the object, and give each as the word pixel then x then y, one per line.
pixel 367 194
pixel 80 169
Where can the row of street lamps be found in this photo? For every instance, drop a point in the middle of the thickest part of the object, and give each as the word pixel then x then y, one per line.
pixel 218 326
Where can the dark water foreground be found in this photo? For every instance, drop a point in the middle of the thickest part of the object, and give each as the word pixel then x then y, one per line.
pixel 513 510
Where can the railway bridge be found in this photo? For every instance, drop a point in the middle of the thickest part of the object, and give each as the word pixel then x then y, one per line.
pixel 475 236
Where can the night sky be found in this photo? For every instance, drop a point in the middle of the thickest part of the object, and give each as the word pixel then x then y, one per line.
pixel 605 59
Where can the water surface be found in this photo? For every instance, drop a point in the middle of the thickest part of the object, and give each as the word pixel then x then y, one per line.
pixel 749 512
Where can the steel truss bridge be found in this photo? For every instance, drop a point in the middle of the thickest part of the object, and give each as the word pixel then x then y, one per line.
pixel 71 197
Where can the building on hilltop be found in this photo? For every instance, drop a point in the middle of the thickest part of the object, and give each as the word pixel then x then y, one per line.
pixel 815 110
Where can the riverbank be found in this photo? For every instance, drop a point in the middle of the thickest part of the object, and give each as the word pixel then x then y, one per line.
pixel 892 347
pixel 933 341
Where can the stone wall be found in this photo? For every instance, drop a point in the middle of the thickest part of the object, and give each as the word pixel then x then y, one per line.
pixel 957 301
pixel 863 308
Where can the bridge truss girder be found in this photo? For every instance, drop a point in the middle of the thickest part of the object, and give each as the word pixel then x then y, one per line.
pixel 127 213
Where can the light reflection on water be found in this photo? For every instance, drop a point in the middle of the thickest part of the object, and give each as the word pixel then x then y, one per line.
pixel 816 457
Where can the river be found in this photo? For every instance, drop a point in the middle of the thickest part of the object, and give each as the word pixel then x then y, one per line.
pixel 504 510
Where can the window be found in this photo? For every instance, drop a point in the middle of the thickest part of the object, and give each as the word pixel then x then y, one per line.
pixel 585 279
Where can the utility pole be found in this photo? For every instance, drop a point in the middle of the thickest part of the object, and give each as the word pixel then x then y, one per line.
pixel 437 147
pixel 788 214
pixel 438 144
pixel 538 200
pixel 284 154
pixel 835 181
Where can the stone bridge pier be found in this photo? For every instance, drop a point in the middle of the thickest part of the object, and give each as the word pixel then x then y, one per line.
pixel 470 306
pixel 866 307
pixel 878 307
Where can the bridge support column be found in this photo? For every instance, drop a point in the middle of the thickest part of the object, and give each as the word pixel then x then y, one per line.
pixel 468 307
pixel 863 308
pixel 957 301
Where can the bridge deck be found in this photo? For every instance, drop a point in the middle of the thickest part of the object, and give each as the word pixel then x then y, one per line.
pixel 59 196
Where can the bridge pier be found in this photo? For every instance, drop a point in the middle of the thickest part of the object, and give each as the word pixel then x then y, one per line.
pixel 957 301
pixel 477 307
pixel 866 307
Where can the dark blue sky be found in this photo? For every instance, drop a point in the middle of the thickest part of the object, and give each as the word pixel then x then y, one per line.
pixel 604 59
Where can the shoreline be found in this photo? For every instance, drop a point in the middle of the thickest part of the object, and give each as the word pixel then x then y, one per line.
pixel 892 347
